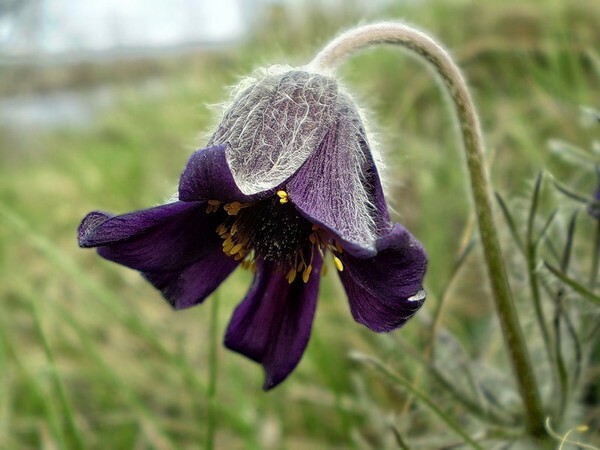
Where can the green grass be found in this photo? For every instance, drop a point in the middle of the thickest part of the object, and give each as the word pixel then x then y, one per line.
pixel 92 357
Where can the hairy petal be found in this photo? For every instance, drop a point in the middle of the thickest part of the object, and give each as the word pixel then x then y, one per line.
pixel 386 290
pixel 174 246
pixel 272 325
pixel 339 187
pixel 274 124
pixel 207 176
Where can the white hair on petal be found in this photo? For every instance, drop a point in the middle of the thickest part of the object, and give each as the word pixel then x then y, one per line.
pixel 364 112
pixel 352 143
pixel 275 120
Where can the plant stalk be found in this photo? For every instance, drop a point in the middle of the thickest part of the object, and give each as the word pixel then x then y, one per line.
pixel 423 45
pixel 211 422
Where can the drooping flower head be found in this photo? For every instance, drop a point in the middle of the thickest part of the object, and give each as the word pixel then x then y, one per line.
pixel 287 178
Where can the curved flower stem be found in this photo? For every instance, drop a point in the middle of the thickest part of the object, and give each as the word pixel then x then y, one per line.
pixel 211 422
pixel 420 43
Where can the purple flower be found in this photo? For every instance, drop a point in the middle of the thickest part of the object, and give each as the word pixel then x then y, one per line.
pixel 287 179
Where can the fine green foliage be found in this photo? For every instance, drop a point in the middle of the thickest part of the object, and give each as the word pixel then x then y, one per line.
pixel 92 357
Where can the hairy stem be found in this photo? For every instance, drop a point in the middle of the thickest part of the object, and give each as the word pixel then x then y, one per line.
pixel 211 422
pixel 427 48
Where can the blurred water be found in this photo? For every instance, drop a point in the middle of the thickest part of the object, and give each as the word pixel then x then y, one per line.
pixel 26 114
pixel 55 32
pixel 51 110
pixel 64 30
pixel 61 29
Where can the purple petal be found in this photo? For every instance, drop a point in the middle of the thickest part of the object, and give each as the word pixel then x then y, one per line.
pixel 192 284
pixel 386 290
pixel 339 188
pixel 175 246
pixel 272 325
pixel 207 176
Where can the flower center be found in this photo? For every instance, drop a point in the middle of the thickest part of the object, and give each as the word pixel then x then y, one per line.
pixel 273 230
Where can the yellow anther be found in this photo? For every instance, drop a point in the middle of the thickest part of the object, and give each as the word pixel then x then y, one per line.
pixel 338 247
pixel 306 273
pixel 234 228
pixel 240 255
pixel 233 208
pixel 214 202
pixel 235 249
pixel 283 197
pixel 312 238
pixel 221 229
pixel 582 428
pixel 338 263
pixel 291 276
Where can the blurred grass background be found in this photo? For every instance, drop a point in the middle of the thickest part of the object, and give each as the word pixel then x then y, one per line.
pixel 90 353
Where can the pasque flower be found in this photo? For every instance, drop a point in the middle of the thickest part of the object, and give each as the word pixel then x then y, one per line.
pixel 287 178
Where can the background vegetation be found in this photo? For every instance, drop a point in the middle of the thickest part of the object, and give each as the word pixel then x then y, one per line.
pixel 92 357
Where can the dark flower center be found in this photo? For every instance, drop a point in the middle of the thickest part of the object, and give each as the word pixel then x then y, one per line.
pixel 272 230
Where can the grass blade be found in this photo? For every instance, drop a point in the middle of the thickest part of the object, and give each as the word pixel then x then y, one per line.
pixel 577 287
pixel 531 246
pixel 397 379
pixel 211 422
pixel 510 221
pixel 72 435
pixel 571 194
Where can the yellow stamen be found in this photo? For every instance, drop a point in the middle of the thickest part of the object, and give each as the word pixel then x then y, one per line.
pixel 283 197
pixel 291 276
pixel 233 208
pixel 338 263
pixel 306 274
pixel 214 202
pixel 320 250
pixel 312 238
pixel 338 247
pixel 236 248
pixel 234 228
pixel 221 229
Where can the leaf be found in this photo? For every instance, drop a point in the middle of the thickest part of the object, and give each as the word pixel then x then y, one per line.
pixel 579 288
pixel 510 221
pixel 398 379
pixel 571 194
